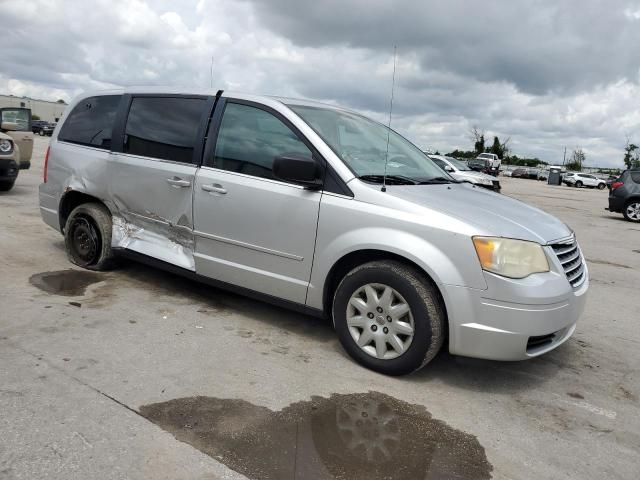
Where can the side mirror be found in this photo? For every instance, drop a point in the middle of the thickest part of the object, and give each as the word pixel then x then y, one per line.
pixel 298 169
pixel 448 168
pixel 9 126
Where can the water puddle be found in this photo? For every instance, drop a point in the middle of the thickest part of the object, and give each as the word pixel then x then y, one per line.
pixel 355 436
pixel 70 283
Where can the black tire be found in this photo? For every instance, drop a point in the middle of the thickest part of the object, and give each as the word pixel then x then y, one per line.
pixel 635 202
pixel 6 185
pixel 578 184
pixel 601 186
pixel 87 237
pixel 426 307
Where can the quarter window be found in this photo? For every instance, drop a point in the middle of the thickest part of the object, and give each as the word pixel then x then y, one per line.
pixel 250 139
pixel 91 121
pixel 164 127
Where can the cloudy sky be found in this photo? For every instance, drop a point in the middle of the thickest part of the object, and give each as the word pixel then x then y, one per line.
pixel 546 73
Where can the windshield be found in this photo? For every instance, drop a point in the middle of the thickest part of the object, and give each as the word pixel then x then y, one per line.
pixel 362 145
pixel 19 116
pixel 458 164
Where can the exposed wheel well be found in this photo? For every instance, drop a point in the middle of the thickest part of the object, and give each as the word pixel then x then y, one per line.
pixel 71 200
pixel 353 259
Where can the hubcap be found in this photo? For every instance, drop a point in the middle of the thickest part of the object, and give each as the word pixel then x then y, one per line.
pixel 633 211
pixel 380 321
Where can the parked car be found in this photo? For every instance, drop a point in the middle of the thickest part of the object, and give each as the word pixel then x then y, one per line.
pixel 488 163
pixel 9 162
pixel 525 172
pixel 461 172
pixel 610 180
pixel 16 122
pixel 42 128
pixel 624 196
pixel 573 179
pixel 316 208
pixel 543 175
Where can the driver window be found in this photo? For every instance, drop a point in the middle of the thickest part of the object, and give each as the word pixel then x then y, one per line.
pixel 250 138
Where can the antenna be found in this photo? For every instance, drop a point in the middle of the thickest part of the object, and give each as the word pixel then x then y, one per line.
pixel 386 156
pixel 211 73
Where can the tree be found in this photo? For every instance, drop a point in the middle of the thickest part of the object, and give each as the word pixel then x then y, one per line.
pixel 631 155
pixel 477 137
pixel 578 158
pixel 35 117
pixel 60 101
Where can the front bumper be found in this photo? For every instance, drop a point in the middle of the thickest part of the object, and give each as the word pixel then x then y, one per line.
pixel 514 319
pixel 494 187
pixel 9 169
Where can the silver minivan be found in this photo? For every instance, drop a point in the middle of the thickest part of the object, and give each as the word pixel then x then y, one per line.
pixel 316 208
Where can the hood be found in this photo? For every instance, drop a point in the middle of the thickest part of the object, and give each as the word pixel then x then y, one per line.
pixel 494 214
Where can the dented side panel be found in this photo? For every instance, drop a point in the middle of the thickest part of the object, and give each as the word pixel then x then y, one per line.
pixel 151 203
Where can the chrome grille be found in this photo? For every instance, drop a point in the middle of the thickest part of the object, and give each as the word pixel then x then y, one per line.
pixel 569 255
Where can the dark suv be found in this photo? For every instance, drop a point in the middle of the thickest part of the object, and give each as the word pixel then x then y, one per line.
pixel 41 127
pixel 624 196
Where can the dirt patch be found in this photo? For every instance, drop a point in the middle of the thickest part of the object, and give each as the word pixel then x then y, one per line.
pixel 605 262
pixel 355 436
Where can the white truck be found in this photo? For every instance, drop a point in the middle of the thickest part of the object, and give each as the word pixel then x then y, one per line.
pixel 486 163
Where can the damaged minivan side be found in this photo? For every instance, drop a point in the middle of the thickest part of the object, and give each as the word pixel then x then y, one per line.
pixel 316 208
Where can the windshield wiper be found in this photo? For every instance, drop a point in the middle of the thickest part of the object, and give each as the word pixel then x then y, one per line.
pixel 437 181
pixel 390 179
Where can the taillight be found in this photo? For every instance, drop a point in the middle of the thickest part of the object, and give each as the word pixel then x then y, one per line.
pixel 46 165
pixel 615 185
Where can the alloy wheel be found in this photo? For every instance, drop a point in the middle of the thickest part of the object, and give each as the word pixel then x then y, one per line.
pixel 633 211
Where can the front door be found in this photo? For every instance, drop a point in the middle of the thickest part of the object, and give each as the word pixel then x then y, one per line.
pixel 250 228
pixel 151 180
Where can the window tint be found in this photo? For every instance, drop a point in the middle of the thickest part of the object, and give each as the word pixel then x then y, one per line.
pixel 91 121
pixel 164 127
pixel 250 138
pixel 635 176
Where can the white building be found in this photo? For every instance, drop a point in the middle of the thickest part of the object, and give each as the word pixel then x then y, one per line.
pixel 49 111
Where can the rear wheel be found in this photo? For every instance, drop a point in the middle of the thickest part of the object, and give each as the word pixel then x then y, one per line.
pixel 632 211
pixel 6 185
pixel 389 317
pixel 87 237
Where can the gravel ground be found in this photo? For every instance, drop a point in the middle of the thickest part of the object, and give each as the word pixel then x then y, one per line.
pixel 137 373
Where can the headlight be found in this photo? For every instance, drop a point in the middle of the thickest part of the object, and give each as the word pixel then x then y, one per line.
pixel 6 146
pixel 510 258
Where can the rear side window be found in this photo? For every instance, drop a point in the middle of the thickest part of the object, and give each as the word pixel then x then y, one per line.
pixel 164 127
pixel 91 121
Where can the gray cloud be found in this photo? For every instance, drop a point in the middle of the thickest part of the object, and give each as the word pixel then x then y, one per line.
pixel 547 74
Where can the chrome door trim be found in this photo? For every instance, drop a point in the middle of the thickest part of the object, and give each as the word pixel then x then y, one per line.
pixel 250 246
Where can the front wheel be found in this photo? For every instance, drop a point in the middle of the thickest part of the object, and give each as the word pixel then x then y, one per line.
pixel 578 184
pixel 632 211
pixel 601 186
pixel 389 317
pixel 87 237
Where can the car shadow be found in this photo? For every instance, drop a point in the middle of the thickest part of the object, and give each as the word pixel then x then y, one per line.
pixel 460 372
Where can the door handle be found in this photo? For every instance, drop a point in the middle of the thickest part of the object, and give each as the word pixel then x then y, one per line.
pixel 214 188
pixel 178 182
